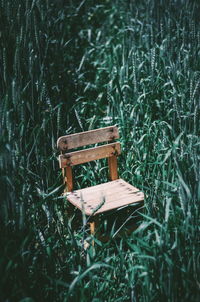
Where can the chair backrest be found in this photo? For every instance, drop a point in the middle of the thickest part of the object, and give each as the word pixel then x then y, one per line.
pixel 109 150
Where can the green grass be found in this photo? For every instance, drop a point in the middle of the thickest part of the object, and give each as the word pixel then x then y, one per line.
pixel 69 66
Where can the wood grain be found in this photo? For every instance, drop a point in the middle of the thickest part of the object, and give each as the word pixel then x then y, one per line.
pixel 112 165
pixel 83 156
pixel 69 179
pixel 105 197
pixel 76 140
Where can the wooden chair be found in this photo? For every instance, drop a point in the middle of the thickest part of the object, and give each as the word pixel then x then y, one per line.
pixel 104 197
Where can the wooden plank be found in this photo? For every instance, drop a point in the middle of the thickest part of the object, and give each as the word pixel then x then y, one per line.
pixel 109 196
pixel 103 186
pixel 84 156
pixel 89 208
pixel 109 190
pixel 76 140
pixel 108 185
pixel 112 164
pixel 117 193
pixel 120 203
pixel 115 185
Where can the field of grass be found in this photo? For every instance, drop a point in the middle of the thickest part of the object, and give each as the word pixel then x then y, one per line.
pixel 71 66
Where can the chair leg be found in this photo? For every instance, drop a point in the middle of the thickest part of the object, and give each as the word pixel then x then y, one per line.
pixel 94 226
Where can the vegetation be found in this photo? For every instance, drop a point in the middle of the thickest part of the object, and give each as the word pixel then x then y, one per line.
pixel 68 66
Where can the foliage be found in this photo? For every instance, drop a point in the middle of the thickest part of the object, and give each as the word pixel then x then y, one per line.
pixel 69 66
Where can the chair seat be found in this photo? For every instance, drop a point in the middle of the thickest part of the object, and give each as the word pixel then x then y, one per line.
pixel 105 197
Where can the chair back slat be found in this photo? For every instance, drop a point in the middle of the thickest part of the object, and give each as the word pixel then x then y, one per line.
pixel 84 156
pixel 76 140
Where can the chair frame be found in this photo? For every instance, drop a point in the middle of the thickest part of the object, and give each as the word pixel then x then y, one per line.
pixel 110 151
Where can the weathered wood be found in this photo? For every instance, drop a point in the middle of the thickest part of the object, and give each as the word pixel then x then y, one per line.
pixel 121 203
pixel 111 190
pixel 83 156
pixel 64 179
pixel 100 198
pixel 68 179
pixel 105 197
pixel 76 140
pixel 109 196
pixel 94 225
pixel 112 164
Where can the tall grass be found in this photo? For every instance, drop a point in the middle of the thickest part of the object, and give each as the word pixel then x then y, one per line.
pixel 79 65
